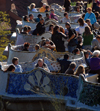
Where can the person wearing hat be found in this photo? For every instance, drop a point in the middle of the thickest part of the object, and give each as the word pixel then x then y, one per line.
pixel 40 28
pixel 42 9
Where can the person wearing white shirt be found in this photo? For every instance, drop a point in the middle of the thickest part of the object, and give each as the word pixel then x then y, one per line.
pixel 18 67
pixel 82 25
pixel 32 7
pixel 66 18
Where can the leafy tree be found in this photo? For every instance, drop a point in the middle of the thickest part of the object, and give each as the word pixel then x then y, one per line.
pixel 4 24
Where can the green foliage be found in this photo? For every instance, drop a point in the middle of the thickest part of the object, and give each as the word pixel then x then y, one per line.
pixel 73 3
pixel 4 24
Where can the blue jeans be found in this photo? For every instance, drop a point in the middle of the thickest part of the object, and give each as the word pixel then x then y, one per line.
pixel 71 48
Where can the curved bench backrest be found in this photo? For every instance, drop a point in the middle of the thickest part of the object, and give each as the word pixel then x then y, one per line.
pixel 40 82
pixel 89 94
pixel 52 65
pixel 31 24
pixel 32 39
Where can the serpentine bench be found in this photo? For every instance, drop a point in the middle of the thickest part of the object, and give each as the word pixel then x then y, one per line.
pixel 26 56
pixel 40 85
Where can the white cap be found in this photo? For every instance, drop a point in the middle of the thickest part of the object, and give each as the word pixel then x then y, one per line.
pixel 45 4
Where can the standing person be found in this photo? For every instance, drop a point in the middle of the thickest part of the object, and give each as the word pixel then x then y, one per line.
pixel 57 39
pixel 67 5
pixel 18 67
pixel 71 35
pixel 40 28
pixel 82 25
pixel 87 38
pixel 90 15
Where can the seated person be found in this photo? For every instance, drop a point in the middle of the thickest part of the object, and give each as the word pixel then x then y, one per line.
pixel 96 43
pixel 49 44
pixel 29 30
pixel 87 54
pixel 51 27
pixel 47 8
pixel 83 16
pixel 37 47
pixel 89 23
pixel 10 68
pixel 95 62
pixel 71 68
pixel 26 46
pixel 64 63
pixel 53 15
pixel 40 28
pixel 39 18
pixel 66 18
pixel 25 30
pixel 31 18
pixel 71 37
pixel 18 67
pixel 78 9
pixel 80 70
pixel 26 18
pixel 32 7
pixel 47 17
pixel 43 8
pixel 41 64
pixel 76 51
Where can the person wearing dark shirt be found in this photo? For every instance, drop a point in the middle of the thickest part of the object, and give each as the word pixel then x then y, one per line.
pixel 67 5
pixel 47 8
pixel 71 68
pixel 49 44
pixel 57 39
pixel 79 43
pixel 71 35
pixel 40 28
pixel 26 46
pixel 64 63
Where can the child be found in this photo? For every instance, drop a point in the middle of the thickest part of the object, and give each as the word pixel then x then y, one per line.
pixel 18 67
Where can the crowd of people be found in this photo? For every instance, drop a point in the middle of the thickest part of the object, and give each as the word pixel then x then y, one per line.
pixel 84 38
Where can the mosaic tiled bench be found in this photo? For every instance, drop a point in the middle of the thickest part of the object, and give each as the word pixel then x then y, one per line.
pixel 28 56
pixel 21 38
pixel 40 85
pixel 53 66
